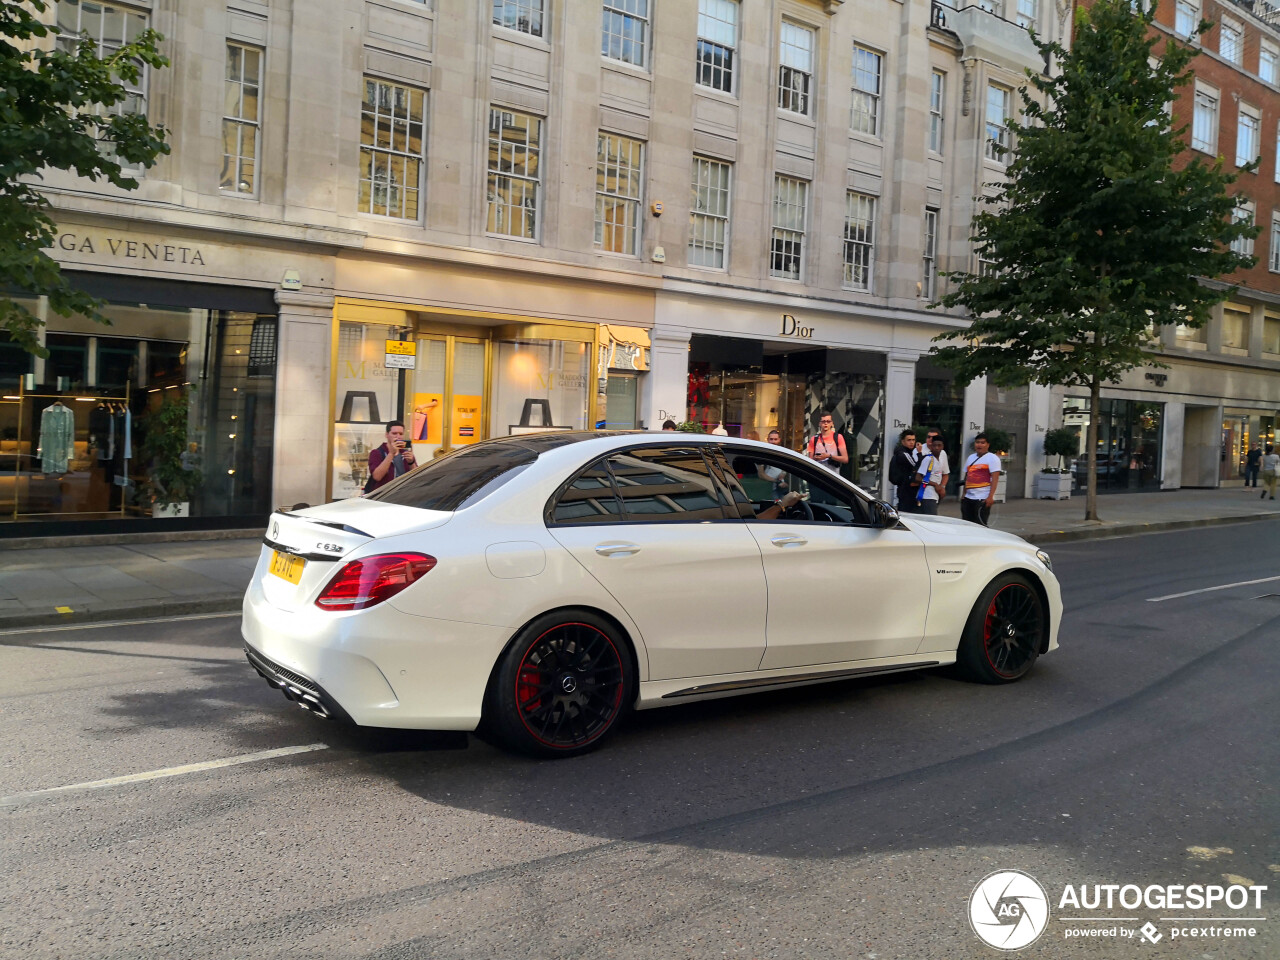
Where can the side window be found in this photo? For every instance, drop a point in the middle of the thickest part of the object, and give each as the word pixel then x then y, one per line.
pixel 590 498
pixel 758 481
pixel 666 485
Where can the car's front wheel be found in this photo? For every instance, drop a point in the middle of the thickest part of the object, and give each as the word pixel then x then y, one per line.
pixel 1003 635
pixel 561 686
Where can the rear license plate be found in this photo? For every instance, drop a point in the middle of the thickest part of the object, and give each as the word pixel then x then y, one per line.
pixel 287 566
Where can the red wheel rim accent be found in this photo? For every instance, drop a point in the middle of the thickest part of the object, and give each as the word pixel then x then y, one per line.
pixel 1011 630
pixel 569 686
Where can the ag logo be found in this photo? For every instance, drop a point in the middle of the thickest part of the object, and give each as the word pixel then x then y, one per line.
pixel 1008 910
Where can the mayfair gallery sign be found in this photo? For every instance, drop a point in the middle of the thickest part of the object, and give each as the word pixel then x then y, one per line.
pixel 125 249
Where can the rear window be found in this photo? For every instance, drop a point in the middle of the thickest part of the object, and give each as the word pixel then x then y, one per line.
pixel 460 479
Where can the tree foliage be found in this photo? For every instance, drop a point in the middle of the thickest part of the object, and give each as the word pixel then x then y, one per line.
pixel 1096 239
pixel 56 112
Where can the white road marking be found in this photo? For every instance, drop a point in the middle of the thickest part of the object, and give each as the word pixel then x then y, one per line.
pixel 160 774
pixel 1225 586
pixel 94 625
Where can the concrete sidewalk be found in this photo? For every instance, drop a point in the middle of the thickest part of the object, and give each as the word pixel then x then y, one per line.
pixel 135 576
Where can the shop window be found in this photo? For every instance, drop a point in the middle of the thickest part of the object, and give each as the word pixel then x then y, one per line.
pixel 262 348
pixel 88 458
pixel 540 386
pixel 666 485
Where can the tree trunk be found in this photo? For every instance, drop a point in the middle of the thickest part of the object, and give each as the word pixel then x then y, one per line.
pixel 1091 490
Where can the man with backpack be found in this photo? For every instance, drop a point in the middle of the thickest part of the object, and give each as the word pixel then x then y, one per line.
pixel 902 469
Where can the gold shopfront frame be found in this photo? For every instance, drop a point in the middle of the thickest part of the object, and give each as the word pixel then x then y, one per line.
pixel 453 327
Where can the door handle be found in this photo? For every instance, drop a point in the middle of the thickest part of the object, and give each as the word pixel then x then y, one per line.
pixel 617 549
pixel 789 540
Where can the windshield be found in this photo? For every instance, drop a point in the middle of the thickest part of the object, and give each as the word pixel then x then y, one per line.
pixel 460 479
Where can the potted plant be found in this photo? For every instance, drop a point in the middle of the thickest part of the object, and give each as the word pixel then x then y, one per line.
pixel 1054 483
pixel 172 476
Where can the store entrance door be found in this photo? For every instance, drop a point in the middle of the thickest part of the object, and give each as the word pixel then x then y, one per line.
pixel 448 400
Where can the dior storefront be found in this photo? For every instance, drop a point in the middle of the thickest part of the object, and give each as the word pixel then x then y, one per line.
pixel 746 368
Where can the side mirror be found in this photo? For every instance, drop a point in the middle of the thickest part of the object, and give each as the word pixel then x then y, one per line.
pixel 885 516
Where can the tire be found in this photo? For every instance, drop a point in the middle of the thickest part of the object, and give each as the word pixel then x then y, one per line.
pixel 1003 635
pixel 561 686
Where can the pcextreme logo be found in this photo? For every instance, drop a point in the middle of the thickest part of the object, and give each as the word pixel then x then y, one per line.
pixel 1009 910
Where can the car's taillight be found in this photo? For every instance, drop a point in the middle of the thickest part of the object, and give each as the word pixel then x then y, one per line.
pixel 362 583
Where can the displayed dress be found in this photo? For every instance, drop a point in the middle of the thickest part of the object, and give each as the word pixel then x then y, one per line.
pixel 57 438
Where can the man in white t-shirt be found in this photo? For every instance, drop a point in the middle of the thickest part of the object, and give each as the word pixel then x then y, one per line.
pixel 931 478
pixel 981 473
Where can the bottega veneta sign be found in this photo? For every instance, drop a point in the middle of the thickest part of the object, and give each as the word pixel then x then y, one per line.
pixel 130 249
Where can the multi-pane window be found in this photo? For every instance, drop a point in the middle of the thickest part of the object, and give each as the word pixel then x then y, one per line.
pixel 1231 40
pixel 1248 135
pixel 1186 17
pixel 1204 121
pixel 110 26
pixel 709 213
pixel 522 15
pixel 515 173
pixel 1027 14
pixel 867 66
pixel 1243 213
pixel 391 149
pixel 859 240
pixel 1271 321
pixel 717 41
pixel 986 262
pixel 937 95
pixel 786 250
pixel 929 282
pixel 999 136
pixel 795 68
pixel 1269 63
pixel 626 30
pixel 241 118
pixel 618 180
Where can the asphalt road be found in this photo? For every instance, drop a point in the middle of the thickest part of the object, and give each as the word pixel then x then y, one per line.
pixel 845 821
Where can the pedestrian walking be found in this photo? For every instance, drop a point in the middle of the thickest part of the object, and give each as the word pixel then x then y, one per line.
pixel 1270 471
pixel 931 477
pixel 827 447
pixel 902 470
pixel 1252 463
pixel 981 474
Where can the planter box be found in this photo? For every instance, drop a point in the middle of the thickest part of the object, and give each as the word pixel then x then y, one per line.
pixel 1053 486
pixel 171 510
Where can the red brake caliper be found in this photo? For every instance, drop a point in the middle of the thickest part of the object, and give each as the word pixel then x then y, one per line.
pixel 527 685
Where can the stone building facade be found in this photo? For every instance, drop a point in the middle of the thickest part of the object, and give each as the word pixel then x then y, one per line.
pixel 572 212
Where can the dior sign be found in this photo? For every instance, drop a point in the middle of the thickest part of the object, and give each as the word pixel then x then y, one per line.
pixel 791 328
pixel 126 249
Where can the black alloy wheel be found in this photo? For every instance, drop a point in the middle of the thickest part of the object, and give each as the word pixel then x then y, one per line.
pixel 1005 630
pixel 561 686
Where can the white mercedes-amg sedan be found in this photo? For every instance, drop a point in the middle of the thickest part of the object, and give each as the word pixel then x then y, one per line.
pixel 543 586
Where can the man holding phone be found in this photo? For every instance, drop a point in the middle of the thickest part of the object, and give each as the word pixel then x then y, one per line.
pixel 390 460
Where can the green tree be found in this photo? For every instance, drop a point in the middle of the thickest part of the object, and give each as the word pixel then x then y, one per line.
pixel 1101 234
pixel 57 111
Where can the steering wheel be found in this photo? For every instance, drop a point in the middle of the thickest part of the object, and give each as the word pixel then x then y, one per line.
pixel 799 511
